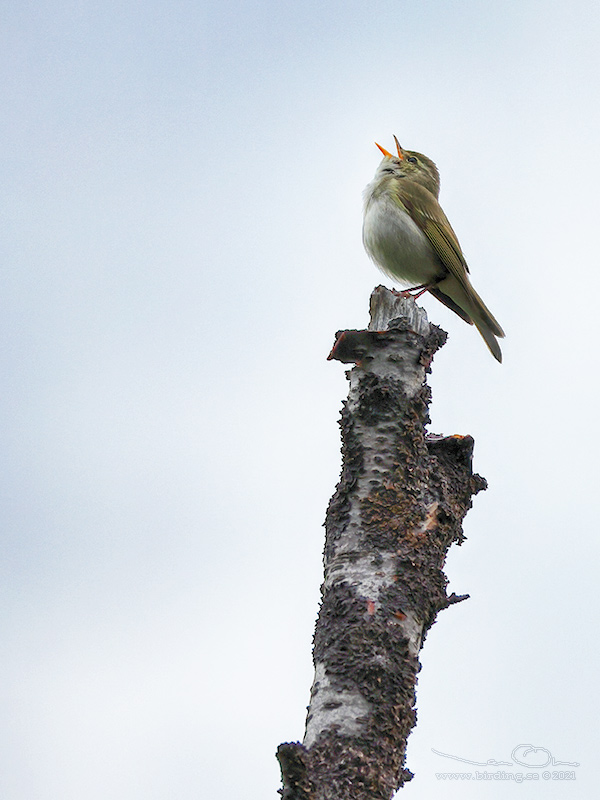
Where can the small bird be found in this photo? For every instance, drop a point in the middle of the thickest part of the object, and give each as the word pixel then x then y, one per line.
pixel 408 236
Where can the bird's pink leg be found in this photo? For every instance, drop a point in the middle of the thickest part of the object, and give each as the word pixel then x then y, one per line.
pixel 421 289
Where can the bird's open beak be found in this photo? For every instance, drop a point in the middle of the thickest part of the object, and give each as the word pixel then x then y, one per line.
pixel 389 155
pixel 384 151
pixel 399 149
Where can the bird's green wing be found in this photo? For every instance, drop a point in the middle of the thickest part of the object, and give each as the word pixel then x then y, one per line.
pixel 425 210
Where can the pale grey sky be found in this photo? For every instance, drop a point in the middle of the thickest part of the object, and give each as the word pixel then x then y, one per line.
pixel 181 199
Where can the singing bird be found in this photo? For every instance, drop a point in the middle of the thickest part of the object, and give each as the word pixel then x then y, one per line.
pixel 408 236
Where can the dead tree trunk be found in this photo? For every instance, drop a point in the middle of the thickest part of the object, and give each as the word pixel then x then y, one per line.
pixel 397 509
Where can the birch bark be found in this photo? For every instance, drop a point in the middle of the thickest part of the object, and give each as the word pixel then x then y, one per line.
pixel 398 507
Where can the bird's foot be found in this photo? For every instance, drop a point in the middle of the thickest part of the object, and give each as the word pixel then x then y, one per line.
pixel 421 289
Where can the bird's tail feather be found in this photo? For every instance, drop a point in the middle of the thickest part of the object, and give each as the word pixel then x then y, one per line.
pixel 464 301
pixel 489 338
pixel 484 314
pixel 448 301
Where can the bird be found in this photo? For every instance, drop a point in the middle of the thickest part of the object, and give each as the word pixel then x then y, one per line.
pixel 408 236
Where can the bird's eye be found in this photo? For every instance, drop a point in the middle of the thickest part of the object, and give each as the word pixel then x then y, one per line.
pixel 412 159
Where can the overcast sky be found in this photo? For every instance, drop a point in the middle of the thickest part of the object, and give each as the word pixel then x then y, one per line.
pixel 181 199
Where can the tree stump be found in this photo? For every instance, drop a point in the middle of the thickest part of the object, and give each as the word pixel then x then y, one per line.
pixel 398 507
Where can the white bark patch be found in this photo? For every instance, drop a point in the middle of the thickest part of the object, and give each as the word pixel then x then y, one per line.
pixel 412 628
pixel 386 306
pixel 330 707
pixel 365 572
pixel 365 575
pixel 430 520
pixel 403 356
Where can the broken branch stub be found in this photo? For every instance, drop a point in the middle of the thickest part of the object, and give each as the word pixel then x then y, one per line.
pixel 397 509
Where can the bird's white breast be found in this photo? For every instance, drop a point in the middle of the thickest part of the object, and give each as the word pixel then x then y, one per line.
pixel 395 242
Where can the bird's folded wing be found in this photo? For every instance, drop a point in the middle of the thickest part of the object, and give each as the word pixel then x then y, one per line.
pixel 428 214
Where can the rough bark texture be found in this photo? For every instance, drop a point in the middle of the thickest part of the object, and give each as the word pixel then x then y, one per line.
pixel 397 509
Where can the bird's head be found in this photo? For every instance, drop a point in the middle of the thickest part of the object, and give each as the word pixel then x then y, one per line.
pixel 409 164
